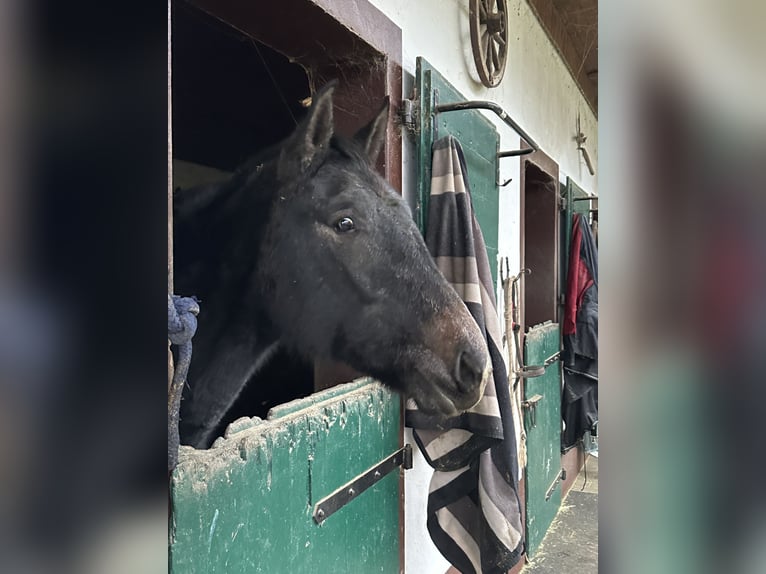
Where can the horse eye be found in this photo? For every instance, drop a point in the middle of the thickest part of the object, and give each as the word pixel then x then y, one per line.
pixel 345 224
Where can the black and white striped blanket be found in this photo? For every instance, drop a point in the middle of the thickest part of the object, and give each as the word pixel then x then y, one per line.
pixel 474 515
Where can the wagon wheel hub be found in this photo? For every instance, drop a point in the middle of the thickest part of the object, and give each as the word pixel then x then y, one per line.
pixel 495 23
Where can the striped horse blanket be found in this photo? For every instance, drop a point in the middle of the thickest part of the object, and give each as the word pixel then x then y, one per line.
pixel 474 515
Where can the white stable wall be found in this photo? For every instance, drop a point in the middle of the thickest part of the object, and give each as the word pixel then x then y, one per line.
pixel 540 95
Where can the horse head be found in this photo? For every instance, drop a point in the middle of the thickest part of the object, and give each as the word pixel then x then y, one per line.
pixel 345 274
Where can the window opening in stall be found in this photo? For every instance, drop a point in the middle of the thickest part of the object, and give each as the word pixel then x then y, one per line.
pixel 233 96
pixel 540 250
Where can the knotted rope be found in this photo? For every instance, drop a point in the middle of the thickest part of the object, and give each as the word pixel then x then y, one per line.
pixel 515 371
pixel 182 324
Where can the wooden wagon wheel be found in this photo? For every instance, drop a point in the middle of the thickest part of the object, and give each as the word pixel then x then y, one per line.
pixel 489 39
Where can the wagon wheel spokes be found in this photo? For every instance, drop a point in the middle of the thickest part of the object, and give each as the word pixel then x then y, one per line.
pixel 489 38
pixel 495 62
pixel 483 10
pixel 487 58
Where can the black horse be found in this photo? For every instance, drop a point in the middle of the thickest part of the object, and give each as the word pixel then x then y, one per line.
pixel 307 246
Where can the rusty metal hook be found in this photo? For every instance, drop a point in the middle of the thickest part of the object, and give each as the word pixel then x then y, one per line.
pixel 580 140
pixel 525 271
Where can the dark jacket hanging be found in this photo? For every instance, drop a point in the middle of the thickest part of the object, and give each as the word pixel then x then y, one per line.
pixel 579 405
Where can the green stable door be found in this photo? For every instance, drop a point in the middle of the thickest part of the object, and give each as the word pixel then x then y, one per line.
pixel 543 425
pixel 576 200
pixel 543 417
pixel 250 503
pixel 479 140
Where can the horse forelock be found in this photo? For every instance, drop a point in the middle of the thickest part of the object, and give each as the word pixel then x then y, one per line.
pixel 355 166
pixel 350 149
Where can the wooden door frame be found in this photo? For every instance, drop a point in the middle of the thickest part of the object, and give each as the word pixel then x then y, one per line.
pixel 547 165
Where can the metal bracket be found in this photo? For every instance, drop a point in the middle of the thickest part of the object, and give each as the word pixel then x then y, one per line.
pixel 352 489
pixel 532 402
pixel 501 113
pixel 531 405
pixel 588 198
pixel 580 139
pixel 552 359
pixel 409 115
pixel 561 477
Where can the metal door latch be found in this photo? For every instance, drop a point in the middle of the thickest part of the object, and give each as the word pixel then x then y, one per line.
pixel 552 359
pixel 531 405
pixel 352 489
pixel 562 476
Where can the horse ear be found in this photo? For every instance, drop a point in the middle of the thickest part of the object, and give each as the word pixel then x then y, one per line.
pixel 372 137
pixel 311 139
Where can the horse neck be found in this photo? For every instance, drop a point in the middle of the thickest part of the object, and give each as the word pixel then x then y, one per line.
pixel 217 254
pixel 218 231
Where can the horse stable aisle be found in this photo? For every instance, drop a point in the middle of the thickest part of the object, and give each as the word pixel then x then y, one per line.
pixel 571 543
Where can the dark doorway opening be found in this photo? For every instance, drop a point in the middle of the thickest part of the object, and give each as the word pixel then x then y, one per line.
pixel 241 76
pixel 233 96
pixel 541 204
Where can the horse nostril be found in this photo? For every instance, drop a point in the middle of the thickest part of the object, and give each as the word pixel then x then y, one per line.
pixel 469 370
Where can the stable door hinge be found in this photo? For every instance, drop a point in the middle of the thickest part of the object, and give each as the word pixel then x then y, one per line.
pixel 352 489
pixel 409 115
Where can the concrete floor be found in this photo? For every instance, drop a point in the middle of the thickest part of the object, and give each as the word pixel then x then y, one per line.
pixel 571 543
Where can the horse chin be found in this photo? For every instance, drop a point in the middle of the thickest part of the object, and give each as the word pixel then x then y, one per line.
pixel 437 398
pixel 435 403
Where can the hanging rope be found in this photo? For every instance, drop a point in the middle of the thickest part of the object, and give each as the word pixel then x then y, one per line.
pixel 182 324
pixel 511 316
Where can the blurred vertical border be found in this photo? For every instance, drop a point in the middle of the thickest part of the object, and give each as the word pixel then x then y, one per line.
pixel 683 253
pixel 83 244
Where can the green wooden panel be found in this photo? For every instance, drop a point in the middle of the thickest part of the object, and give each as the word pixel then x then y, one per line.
pixel 570 193
pixel 246 505
pixel 544 436
pixel 479 140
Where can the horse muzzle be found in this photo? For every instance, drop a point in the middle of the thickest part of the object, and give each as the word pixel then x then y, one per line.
pixel 455 377
pixel 471 381
pixel 471 373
